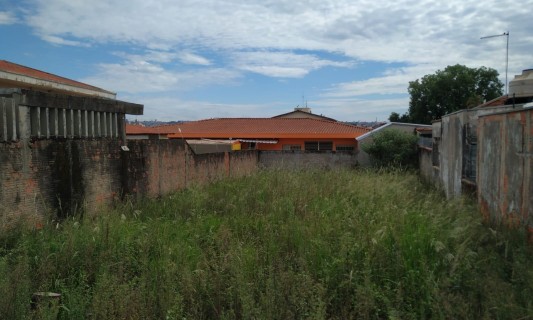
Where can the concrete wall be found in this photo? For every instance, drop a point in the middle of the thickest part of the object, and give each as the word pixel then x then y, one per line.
pixel 306 160
pixel 456 145
pixel 451 152
pixel 428 171
pixel 505 167
pixel 44 177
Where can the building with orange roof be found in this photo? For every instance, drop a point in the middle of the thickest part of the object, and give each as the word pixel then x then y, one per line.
pixel 273 134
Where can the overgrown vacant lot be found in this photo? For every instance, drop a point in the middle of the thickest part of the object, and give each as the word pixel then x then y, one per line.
pixel 277 245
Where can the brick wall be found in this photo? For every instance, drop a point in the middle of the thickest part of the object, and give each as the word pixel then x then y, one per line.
pixel 61 176
pixel 159 167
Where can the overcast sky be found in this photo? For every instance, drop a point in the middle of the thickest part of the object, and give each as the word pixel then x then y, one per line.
pixel 196 59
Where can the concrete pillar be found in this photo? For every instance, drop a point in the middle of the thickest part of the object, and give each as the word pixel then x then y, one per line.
pixel 11 120
pixel 24 116
pixel 3 120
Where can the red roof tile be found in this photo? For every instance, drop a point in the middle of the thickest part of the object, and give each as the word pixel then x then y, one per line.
pixel 139 129
pixel 11 67
pixel 256 128
pixel 500 101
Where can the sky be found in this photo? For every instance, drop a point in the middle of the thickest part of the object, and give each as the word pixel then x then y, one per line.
pixel 351 60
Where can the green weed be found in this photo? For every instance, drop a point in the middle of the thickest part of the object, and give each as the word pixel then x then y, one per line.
pixel 276 245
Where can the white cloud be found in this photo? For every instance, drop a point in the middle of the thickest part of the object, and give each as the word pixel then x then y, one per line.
pixel 352 109
pixel 392 81
pixel 404 30
pixel 288 39
pixel 61 41
pixel 282 64
pixel 7 18
pixel 137 75
pixel 191 58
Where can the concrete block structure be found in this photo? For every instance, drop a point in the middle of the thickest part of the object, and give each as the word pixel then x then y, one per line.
pixel 487 151
pixel 61 144
pixel 505 167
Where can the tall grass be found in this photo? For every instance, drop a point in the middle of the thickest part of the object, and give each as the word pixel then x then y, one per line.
pixel 276 245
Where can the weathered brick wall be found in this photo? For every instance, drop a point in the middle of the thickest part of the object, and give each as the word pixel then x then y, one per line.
pixel 306 160
pixel 41 178
pixel 60 176
pixel 159 167
pixel 154 167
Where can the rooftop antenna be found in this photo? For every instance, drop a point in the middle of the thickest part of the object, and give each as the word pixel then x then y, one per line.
pixel 506 34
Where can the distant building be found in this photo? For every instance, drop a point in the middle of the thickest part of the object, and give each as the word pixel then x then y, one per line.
pixel 296 134
pixel 303 113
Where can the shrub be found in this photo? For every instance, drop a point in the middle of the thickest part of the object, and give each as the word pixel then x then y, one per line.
pixel 393 148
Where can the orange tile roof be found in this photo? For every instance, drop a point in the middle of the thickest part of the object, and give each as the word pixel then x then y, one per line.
pixel 500 101
pixel 256 128
pixel 138 129
pixel 11 67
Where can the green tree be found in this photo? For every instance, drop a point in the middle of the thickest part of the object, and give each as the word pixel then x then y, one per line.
pixel 454 88
pixel 392 147
pixel 396 117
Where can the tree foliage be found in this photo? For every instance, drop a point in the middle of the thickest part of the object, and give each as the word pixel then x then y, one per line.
pixel 454 88
pixel 392 147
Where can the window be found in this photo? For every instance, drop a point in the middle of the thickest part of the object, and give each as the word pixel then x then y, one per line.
pixel 292 147
pixel 318 145
pixel 311 146
pixel 344 148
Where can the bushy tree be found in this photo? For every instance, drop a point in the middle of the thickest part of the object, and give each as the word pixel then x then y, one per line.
pixel 392 147
pixel 396 117
pixel 454 88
